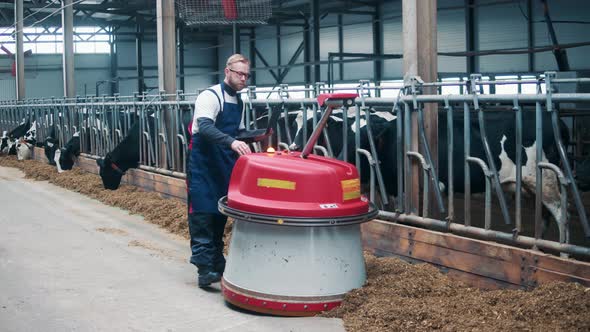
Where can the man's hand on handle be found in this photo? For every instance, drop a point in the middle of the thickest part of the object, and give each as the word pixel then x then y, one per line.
pixel 240 147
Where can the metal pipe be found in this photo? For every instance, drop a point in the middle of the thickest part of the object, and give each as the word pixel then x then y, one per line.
pixel 568 171
pixel 400 157
pixel 466 169
pixel 450 144
pixel 518 193
pixel 428 158
pixel 425 169
pixel 369 101
pixel 488 194
pixel 372 164
pixel 492 166
pixel 407 163
pixel 489 235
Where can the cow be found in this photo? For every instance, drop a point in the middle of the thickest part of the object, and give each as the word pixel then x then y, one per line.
pixel 66 156
pixel 126 154
pixel 24 150
pixel 284 131
pixel 500 129
pixel 25 144
pixel 380 123
pixel 10 139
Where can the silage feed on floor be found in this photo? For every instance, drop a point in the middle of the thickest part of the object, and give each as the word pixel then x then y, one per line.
pixel 398 296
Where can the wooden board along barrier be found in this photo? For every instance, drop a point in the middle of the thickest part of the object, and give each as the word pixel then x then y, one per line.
pixel 479 263
pixel 165 185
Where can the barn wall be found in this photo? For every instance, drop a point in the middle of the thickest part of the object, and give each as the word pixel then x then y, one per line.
pixel 498 25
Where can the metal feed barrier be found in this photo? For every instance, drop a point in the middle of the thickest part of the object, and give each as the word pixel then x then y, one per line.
pixel 103 122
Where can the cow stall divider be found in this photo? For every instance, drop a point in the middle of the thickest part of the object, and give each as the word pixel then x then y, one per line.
pixel 104 121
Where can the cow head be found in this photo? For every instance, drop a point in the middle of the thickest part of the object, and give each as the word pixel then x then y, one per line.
pixel 23 150
pixel 31 136
pixel 110 173
pixel 66 160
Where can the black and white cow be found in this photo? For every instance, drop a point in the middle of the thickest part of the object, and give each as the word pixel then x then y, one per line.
pixel 126 154
pixel 25 145
pixel 500 129
pixel 66 156
pixel 286 126
pixel 9 140
pixel 380 123
pixel 123 157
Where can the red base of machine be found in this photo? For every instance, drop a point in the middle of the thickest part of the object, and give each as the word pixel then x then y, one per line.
pixel 275 305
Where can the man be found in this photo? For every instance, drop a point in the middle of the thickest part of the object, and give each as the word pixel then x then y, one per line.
pixel 213 152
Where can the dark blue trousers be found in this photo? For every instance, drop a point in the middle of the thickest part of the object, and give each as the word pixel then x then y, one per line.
pixel 206 232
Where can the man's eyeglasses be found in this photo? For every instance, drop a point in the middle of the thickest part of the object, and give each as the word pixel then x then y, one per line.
pixel 241 74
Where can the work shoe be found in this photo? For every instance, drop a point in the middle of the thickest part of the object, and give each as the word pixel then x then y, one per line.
pixel 208 278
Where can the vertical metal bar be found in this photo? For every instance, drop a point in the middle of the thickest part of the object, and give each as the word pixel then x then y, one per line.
pixel 138 54
pixel 357 134
pixel 492 167
pixel 304 123
pixel 466 166
pixel 426 193
pixel 428 159
pixel 450 155
pixel 253 57
pixel 20 55
pixel 236 45
pixel 383 193
pixel 315 13
pixel 530 35
pixel 488 204
pixel 345 135
pixel 400 157
pixel 113 65
pixel 538 170
pixel 408 164
pixel 378 45
pixel 568 172
pixel 180 43
pixel 340 46
pixel 307 55
pixel 278 45
pixel 518 193
pixel 470 34
pixel 68 48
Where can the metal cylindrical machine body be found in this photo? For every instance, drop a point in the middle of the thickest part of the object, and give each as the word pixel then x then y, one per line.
pixel 296 247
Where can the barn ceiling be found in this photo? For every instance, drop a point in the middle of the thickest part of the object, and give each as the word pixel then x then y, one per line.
pixel 125 12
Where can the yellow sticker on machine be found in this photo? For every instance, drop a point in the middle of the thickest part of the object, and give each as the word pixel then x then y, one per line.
pixel 276 183
pixel 351 189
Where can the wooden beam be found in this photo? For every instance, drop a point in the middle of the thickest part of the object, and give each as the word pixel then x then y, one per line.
pixel 479 263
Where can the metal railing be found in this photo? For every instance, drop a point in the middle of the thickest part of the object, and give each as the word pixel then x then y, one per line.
pixel 103 122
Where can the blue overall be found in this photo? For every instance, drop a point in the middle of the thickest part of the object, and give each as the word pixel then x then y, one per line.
pixel 210 167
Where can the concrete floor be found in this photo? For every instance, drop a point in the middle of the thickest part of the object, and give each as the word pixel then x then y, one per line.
pixel 68 262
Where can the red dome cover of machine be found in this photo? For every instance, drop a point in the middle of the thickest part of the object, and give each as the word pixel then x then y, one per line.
pixel 284 184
